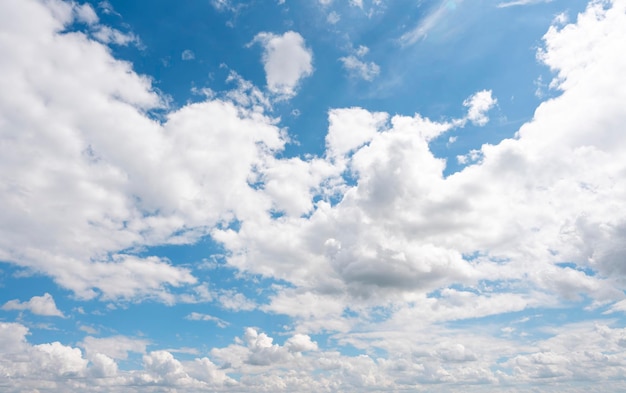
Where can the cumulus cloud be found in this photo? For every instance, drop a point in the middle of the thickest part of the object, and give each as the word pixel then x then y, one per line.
pixel 109 177
pixel 478 105
pixel 376 246
pixel 38 305
pixel 400 229
pixel 591 351
pixel 286 61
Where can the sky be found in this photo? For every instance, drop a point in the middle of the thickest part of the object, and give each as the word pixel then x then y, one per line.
pixel 312 196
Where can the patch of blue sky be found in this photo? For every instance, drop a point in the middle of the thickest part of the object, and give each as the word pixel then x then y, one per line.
pixel 570 265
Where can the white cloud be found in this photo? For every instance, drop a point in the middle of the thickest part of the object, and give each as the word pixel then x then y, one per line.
pixel 188 55
pixel 349 129
pixel 108 35
pixel 478 105
pixel 286 60
pixel 86 14
pixel 378 248
pixel 115 347
pixel 359 68
pixel 591 351
pixel 401 229
pixel 521 2
pixel 333 18
pixel 109 177
pixel 428 22
pixel 232 300
pixel 194 316
pixel 38 305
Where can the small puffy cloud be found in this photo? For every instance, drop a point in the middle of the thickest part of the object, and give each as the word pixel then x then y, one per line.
pixel 38 305
pixel 300 343
pixel 188 55
pixel 478 105
pixel 286 60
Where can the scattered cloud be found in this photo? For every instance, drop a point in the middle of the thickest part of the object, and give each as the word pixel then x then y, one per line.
pixel 333 18
pixel 359 68
pixel 194 316
pixel 286 60
pixel 367 242
pixel 38 305
pixel 478 105
pixel 188 55
pixel 108 35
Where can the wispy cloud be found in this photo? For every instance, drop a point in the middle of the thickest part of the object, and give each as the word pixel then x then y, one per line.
pixel 521 2
pixel 429 22
pixel 195 316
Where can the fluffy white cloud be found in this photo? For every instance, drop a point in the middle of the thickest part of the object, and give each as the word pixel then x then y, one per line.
pixel 377 246
pixel 286 60
pixel 591 351
pixel 107 176
pixel 39 305
pixel 396 229
pixel 478 105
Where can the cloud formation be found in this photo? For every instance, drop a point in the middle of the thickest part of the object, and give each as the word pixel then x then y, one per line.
pixel 369 244
pixel 286 61
pixel 39 305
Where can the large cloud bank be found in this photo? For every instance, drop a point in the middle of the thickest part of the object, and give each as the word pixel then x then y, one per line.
pixel 373 243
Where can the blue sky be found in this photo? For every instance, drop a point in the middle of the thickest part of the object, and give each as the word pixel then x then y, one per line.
pixel 312 196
